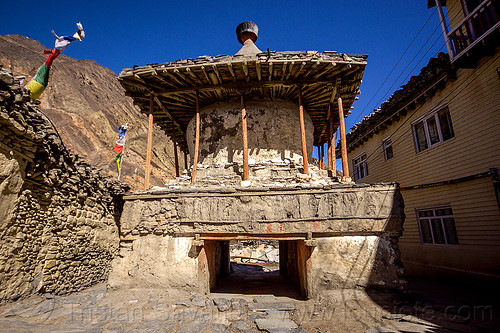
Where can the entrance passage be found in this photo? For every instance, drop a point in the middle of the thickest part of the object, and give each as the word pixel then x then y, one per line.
pixel 251 265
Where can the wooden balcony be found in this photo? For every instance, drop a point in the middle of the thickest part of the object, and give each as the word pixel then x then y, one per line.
pixel 475 28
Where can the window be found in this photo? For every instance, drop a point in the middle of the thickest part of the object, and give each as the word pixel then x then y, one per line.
pixel 388 149
pixel 433 129
pixel 360 167
pixel 437 225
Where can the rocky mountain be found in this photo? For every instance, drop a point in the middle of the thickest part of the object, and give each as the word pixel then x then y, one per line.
pixel 87 105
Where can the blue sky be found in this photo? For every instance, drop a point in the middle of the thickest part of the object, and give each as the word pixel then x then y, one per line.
pixel 125 33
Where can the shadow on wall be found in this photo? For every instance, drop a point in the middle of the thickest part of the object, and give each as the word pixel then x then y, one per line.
pixel 404 303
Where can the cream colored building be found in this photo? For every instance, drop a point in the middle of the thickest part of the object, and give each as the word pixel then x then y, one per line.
pixel 439 138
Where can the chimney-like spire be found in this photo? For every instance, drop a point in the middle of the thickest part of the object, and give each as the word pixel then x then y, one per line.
pixel 247 33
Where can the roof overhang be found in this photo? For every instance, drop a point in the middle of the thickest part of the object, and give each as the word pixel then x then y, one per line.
pixel 419 89
pixel 275 75
pixel 432 3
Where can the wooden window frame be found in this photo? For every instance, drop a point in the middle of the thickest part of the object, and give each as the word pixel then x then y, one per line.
pixel 385 144
pixel 433 114
pixel 444 231
pixel 356 166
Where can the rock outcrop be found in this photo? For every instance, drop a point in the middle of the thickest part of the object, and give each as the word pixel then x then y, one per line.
pixel 87 104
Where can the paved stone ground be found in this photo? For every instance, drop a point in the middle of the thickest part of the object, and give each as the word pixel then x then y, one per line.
pixel 425 307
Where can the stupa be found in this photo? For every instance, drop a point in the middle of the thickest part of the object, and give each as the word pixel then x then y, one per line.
pixel 249 122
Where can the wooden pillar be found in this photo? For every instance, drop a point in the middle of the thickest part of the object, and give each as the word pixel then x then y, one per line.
pixel 329 142
pixel 332 165
pixel 444 28
pixel 303 133
pixel 197 137
pixel 185 157
pixel 246 175
pixel 343 144
pixel 176 157
pixel 150 145
pixel 321 156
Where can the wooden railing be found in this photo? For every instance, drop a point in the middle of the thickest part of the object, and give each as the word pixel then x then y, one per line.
pixel 475 27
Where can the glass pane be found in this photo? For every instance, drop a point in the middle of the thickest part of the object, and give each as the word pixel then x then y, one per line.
pixel 366 169
pixel 420 135
pixel 443 212
pixel 424 213
pixel 446 127
pixel 425 231
pixel 433 131
pixel 451 231
pixel 388 152
pixel 437 230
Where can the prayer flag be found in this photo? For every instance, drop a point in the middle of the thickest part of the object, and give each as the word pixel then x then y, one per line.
pixel 40 81
pixel 120 144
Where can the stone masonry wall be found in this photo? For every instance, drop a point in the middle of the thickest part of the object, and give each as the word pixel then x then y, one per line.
pixel 58 215
pixel 352 233
pixel 319 209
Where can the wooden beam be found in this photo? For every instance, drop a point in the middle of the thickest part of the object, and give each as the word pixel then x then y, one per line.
pixel 193 76
pixel 241 85
pixel 302 65
pixel 329 115
pixel 217 73
pixel 245 70
pixel 159 77
pixel 206 76
pixel 322 154
pixel 176 157
pixel 290 69
pixel 331 144
pixel 259 70
pixel 150 144
pixel 283 71
pixel 303 133
pixel 231 70
pixel 343 144
pixel 185 157
pixel 246 175
pixel 185 77
pixel 197 139
pixel 160 104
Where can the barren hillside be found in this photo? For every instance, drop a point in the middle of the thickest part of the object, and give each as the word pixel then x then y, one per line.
pixel 86 103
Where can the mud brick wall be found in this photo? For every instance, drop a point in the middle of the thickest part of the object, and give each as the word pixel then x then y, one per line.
pixel 58 215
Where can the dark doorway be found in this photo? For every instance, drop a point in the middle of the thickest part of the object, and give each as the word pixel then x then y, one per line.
pixel 257 267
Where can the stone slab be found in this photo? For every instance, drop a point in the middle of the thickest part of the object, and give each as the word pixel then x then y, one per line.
pixel 275 324
pixel 280 306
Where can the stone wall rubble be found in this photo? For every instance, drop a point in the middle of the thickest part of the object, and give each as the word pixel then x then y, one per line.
pixel 58 215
